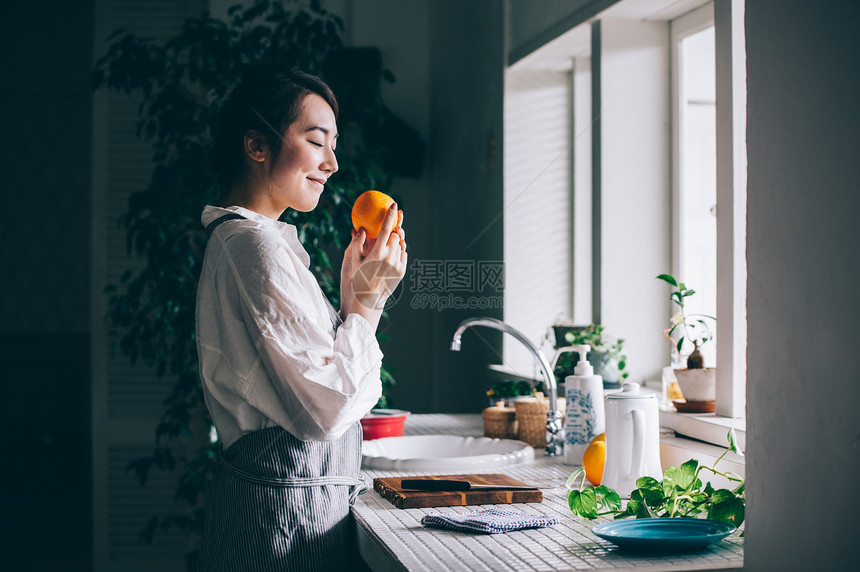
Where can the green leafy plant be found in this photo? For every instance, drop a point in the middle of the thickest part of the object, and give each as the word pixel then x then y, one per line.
pixel 606 355
pixel 693 327
pixel 181 85
pixel 510 388
pixel 679 494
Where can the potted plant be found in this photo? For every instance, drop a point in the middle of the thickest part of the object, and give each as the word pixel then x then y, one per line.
pixel 606 355
pixel 511 390
pixel 697 382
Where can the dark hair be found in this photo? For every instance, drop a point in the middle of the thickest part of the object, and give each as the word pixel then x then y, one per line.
pixel 267 100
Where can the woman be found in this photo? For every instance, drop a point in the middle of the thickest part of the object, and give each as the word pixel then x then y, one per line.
pixel 285 378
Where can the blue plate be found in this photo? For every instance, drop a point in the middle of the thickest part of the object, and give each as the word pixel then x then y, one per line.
pixel 664 534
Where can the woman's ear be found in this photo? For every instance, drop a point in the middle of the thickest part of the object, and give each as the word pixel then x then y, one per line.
pixel 256 146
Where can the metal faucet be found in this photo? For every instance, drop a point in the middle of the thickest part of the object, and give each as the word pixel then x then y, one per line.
pixel 554 428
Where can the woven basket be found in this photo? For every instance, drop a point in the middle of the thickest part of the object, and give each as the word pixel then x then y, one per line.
pixel 500 422
pixel 531 420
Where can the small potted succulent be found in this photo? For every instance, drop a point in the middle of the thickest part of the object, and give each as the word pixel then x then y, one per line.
pixel 697 382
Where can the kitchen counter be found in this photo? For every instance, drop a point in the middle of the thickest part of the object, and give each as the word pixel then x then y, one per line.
pixel 394 539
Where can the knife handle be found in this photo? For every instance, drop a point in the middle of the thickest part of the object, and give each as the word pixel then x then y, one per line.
pixel 435 484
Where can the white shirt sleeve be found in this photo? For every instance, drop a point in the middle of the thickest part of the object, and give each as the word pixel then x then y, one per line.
pixel 310 379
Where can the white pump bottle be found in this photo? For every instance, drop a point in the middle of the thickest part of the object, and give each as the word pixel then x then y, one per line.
pixel 584 409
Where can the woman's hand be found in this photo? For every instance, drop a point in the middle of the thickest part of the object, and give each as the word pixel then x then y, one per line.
pixel 372 268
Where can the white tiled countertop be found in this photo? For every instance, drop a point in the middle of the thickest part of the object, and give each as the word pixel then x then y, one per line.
pixel 394 539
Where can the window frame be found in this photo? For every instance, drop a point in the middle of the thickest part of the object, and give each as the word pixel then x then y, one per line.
pixel 727 18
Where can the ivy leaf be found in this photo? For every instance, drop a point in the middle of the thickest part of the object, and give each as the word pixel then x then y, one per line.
pixel 722 495
pixel 733 444
pixel 650 490
pixel 730 510
pixel 607 498
pixel 631 510
pixel 647 483
pixel 684 475
pixel 583 503
pixel 640 505
pixel 571 480
pixel 669 477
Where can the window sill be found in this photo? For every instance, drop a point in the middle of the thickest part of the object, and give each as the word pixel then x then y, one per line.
pixel 707 427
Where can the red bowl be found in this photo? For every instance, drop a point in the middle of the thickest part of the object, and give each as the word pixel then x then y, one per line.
pixel 381 423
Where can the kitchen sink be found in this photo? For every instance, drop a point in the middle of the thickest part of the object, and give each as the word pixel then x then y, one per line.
pixel 443 453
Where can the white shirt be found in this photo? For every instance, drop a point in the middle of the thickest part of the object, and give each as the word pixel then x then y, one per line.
pixel 270 346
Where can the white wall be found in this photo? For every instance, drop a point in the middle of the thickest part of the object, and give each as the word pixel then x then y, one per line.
pixel 634 159
pixel 537 211
pixel 803 425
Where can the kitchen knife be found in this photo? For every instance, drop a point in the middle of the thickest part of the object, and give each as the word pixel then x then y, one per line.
pixel 455 485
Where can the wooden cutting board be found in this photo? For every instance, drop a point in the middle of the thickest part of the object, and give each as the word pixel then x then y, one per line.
pixel 389 488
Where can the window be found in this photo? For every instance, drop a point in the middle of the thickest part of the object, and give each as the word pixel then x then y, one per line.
pixel 644 196
pixel 694 196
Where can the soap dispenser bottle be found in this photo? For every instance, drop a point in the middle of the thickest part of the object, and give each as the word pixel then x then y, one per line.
pixel 583 408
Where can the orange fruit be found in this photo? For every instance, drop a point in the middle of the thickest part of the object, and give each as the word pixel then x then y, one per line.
pixel 601 437
pixel 368 211
pixel 593 461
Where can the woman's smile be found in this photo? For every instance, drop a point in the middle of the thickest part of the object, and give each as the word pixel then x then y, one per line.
pixel 319 182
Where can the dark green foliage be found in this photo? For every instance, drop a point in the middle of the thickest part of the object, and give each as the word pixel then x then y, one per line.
pixel 181 85
pixel 509 388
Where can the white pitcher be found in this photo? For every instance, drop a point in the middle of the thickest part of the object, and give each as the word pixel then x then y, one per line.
pixel 632 439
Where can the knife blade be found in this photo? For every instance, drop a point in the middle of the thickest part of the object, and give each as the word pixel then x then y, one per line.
pixel 457 485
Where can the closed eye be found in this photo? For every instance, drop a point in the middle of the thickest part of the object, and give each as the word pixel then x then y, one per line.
pixel 314 143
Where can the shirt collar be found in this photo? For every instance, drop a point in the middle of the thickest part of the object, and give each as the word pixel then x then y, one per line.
pixel 288 231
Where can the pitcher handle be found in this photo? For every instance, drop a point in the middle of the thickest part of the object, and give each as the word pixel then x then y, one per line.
pixel 638 444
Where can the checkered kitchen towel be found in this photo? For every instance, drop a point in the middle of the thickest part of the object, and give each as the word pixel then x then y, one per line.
pixel 490 521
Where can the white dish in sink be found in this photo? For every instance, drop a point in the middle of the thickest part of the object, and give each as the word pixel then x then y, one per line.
pixel 443 452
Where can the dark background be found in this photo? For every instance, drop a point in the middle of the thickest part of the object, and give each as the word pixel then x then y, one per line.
pixel 45 133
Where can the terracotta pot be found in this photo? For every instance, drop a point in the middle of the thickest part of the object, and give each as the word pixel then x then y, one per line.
pixel 698 384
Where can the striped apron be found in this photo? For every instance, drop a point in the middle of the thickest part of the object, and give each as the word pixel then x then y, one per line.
pixel 278 503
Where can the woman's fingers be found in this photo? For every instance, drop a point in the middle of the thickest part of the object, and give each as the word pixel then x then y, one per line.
pixel 357 246
pixel 368 246
pixel 387 225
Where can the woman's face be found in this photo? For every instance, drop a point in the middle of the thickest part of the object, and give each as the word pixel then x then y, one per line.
pixel 307 157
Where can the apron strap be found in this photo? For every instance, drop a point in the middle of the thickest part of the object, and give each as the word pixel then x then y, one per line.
pixel 358 485
pixel 210 228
